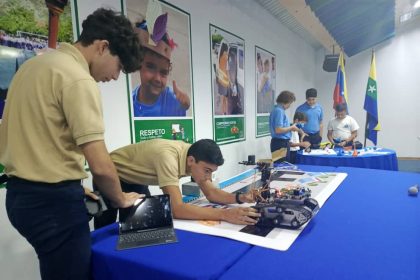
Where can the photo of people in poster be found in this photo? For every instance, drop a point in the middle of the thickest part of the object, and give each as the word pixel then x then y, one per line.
pixel 161 91
pixel 265 85
pixel 228 80
pixel 24 34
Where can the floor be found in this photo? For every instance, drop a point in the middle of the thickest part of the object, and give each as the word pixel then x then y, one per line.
pixel 409 165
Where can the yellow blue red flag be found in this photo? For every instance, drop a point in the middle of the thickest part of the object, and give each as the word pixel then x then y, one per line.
pixel 340 90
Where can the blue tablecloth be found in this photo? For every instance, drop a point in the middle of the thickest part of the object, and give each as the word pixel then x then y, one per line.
pixel 368 229
pixel 386 161
pixel 195 256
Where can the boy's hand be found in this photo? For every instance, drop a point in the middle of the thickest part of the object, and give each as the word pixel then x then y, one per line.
pixel 182 97
pixel 305 144
pixel 90 194
pixel 241 216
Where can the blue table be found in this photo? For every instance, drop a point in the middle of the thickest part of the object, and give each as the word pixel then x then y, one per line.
pixel 386 161
pixel 195 256
pixel 368 229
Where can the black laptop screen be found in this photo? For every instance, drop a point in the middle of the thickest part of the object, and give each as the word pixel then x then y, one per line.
pixel 152 212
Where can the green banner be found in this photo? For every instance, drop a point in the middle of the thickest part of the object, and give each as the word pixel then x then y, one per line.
pixel 263 125
pixel 179 129
pixel 229 129
pixel 1 171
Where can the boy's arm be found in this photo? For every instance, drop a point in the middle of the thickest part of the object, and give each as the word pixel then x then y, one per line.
pixel 181 210
pixel 217 195
pixel 329 136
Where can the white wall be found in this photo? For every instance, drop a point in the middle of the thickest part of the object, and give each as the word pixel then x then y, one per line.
pixel 397 62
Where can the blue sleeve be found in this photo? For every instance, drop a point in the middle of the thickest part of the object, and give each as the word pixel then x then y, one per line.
pixel 171 105
pixel 279 120
pixel 136 106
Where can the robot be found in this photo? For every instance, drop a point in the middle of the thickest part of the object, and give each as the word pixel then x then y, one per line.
pixel 286 212
pixel 288 208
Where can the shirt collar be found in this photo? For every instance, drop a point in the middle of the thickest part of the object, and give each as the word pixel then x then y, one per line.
pixel 76 54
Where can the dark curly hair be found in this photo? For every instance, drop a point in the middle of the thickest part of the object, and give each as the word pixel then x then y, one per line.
pixel 286 97
pixel 206 150
pixel 106 24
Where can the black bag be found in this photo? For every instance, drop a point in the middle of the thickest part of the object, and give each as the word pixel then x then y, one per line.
pixel 358 145
pixel 95 207
pixel 3 179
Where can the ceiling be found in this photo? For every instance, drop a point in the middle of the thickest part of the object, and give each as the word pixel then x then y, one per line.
pixel 352 25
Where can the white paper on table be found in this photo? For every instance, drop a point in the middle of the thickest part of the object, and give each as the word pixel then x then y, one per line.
pixel 318 152
pixel 278 238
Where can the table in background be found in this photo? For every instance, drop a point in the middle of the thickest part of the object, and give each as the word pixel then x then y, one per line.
pixel 386 160
pixel 368 229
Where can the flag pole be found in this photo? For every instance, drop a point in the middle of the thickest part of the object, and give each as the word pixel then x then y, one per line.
pixel 367 114
pixel 366 129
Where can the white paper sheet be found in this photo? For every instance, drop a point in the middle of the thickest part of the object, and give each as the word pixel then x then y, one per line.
pixel 317 152
pixel 321 184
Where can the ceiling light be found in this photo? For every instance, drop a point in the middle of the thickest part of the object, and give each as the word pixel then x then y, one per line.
pixel 417 4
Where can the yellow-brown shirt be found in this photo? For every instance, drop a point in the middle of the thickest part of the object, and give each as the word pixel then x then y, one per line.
pixel 153 162
pixel 53 106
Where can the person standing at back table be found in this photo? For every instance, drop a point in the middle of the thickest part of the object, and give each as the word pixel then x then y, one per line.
pixel 314 114
pixel 280 127
pixel 52 122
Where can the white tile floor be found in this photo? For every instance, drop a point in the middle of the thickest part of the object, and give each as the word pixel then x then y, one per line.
pixel 18 260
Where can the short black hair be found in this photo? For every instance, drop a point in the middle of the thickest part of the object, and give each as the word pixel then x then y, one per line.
pixel 106 24
pixel 300 116
pixel 341 107
pixel 286 97
pixel 206 150
pixel 311 92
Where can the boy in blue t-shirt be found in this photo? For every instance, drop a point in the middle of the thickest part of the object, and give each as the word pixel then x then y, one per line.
pixel 153 97
pixel 314 114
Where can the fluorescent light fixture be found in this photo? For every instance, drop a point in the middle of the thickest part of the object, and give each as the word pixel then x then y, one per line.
pixel 417 4
pixel 405 17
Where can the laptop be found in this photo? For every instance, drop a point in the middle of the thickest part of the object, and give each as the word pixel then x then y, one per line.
pixel 148 223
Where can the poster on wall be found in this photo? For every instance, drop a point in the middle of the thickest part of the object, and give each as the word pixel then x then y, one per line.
pixel 228 85
pixel 24 34
pixel 265 88
pixel 161 92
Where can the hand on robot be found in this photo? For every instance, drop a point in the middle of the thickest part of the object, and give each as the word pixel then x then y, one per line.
pixel 241 215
